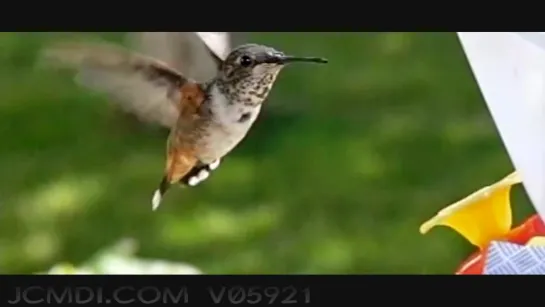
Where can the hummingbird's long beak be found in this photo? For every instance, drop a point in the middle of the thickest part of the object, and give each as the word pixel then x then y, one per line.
pixel 286 59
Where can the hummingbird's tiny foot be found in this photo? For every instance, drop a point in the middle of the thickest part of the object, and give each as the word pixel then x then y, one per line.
pixel 156 200
pixel 203 174
pixel 193 181
pixel 212 166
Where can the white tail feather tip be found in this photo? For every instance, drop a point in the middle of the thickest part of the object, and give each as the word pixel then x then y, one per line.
pixel 156 200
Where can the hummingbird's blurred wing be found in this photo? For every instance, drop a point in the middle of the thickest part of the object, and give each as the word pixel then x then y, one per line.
pixel 141 85
pixel 198 57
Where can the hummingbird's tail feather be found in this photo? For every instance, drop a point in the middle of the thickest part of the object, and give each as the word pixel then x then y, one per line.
pixel 158 195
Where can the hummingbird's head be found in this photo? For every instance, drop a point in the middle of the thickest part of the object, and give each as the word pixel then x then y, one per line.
pixel 250 70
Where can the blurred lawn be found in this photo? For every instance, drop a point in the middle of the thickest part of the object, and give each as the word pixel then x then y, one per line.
pixel 345 163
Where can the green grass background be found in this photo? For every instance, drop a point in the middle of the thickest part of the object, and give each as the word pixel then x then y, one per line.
pixel 343 165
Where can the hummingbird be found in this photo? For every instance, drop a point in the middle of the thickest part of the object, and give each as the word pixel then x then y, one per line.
pixel 206 119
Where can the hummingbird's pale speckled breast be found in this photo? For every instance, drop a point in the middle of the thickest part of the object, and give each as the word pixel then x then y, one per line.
pixel 229 123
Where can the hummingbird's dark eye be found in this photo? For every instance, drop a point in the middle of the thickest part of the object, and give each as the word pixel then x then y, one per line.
pixel 245 61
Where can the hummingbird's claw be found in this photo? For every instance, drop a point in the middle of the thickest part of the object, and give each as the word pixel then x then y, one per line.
pixel 203 174
pixel 193 181
pixel 212 166
pixel 199 173
pixel 200 177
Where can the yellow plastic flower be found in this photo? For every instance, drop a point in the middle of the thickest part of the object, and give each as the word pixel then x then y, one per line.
pixel 482 216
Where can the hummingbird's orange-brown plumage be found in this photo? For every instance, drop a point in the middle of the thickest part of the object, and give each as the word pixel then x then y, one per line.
pixel 182 145
pixel 207 120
